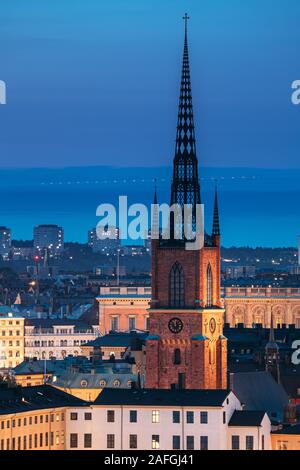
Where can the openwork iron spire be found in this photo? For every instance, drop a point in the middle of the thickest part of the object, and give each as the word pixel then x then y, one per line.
pixel 185 185
pixel 216 221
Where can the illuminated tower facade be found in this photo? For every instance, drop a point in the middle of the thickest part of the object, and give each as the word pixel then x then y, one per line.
pixel 186 347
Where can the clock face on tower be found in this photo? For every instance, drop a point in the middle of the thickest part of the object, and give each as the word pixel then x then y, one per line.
pixel 212 325
pixel 175 325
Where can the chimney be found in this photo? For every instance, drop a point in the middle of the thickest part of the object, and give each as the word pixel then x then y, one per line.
pixel 290 414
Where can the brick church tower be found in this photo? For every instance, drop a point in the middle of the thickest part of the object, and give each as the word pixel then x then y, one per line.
pixel 186 347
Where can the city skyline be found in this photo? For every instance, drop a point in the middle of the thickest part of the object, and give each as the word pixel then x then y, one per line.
pixel 183 342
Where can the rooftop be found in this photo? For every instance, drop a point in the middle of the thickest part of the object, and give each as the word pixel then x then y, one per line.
pixel 289 430
pixel 22 399
pixel 247 418
pixel 118 339
pixel 151 397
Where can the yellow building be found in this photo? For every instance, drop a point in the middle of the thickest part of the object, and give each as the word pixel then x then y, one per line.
pixel 34 418
pixel 11 338
pixel 286 439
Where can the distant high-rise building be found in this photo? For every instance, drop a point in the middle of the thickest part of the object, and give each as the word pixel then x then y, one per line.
pixel 107 244
pixel 50 237
pixel 5 241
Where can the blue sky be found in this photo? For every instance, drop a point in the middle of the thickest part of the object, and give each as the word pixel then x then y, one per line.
pixel 94 82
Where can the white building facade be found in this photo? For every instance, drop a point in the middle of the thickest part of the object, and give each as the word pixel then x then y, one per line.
pixel 57 340
pixel 166 420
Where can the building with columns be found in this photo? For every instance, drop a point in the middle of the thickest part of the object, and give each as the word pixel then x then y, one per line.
pixel 255 305
pixel 243 305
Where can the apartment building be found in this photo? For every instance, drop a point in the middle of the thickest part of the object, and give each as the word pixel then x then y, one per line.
pixel 11 338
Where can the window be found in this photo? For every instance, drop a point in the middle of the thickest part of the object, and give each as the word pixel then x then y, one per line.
pixel 203 417
pixel 282 445
pixel 155 441
pixel 190 442
pixel 73 440
pixel 57 438
pixel 131 323
pixel 262 442
pixel 209 288
pixel 177 356
pixel 235 442
pixel 133 441
pixel 224 417
pixel 110 416
pixel 110 441
pixel 88 416
pixel 155 417
pixel 114 323
pixel 249 443
pixel 41 439
pixel 74 417
pixel 87 441
pixel 177 286
pixel 176 442
pixel 203 443
pixel 176 416
pixel 190 417
pixel 133 416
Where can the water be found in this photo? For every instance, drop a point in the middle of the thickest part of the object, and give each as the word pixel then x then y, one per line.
pixel 257 207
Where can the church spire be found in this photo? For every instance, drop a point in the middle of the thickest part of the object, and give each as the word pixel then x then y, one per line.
pixel 216 221
pixel 185 184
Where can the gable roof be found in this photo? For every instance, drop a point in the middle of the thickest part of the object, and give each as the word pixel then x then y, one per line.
pixel 259 391
pixel 247 418
pixel 151 397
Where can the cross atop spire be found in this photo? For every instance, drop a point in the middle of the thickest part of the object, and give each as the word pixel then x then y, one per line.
pixel 185 184
pixel 185 18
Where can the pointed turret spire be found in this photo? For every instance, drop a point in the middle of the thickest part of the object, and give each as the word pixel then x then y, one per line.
pixel 216 221
pixel 185 184
pixel 272 354
pixel 271 334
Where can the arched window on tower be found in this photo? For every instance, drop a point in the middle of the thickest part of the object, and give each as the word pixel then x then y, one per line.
pixel 209 287
pixel 177 357
pixel 177 286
